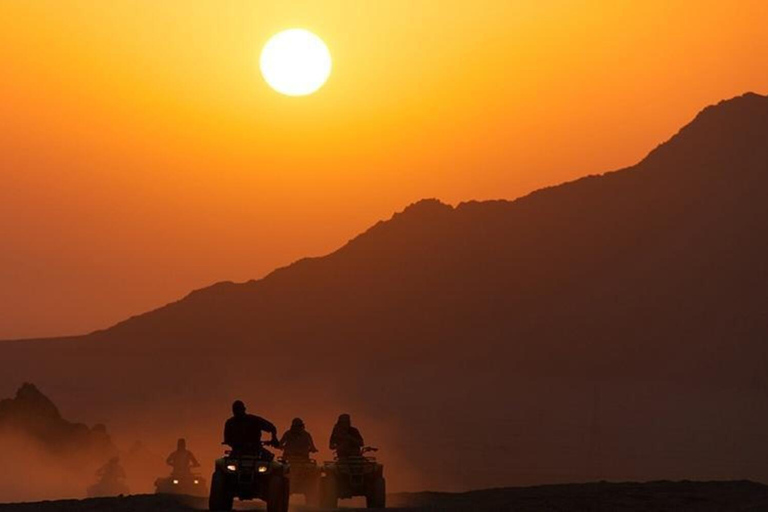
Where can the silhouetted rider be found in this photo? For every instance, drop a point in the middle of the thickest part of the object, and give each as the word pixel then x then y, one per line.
pixel 112 471
pixel 297 443
pixel 346 439
pixel 182 459
pixel 243 432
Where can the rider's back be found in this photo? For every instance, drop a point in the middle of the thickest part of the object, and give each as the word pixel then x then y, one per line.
pixel 182 461
pixel 244 432
pixel 297 444
pixel 347 441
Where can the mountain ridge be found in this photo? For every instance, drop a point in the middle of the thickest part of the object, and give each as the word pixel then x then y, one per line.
pixel 712 114
pixel 428 207
pixel 593 325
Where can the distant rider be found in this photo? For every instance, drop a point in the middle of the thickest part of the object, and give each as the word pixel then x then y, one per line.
pixel 182 459
pixel 346 439
pixel 110 483
pixel 243 432
pixel 111 472
pixel 297 443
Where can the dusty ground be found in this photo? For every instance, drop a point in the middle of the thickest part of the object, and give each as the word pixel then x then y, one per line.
pixel 598 497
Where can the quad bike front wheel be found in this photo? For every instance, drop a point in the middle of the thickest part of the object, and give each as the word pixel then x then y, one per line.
pixel 220 499
pixel 377 495
pixel 278 494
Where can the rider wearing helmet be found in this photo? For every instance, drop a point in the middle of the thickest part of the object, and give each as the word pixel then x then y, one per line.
pixel 182 459
pixel 297 443
pixel 346 439
pixel 243 431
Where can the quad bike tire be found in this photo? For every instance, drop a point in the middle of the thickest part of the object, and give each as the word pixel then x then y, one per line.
pixel 328 497
pixel 278 494
pixel 220 499
pixel 377 495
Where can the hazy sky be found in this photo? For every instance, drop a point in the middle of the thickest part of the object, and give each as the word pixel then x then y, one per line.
pixel 142 155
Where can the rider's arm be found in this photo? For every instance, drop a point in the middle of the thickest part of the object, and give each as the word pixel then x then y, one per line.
pixel 312 447
pixel 193 460
pixel 334 442
pixel 355 434
pixel 283 440
pixel 170 458
pixel 227 433
pixel 268 426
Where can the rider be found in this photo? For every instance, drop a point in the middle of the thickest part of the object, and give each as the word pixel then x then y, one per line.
pixel 297 443
pixel 346 439
pixel 243 432
pixel 112 471
pixel 111 480
pixel 182 459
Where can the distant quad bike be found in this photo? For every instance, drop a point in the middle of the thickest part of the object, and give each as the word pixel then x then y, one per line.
pixel 249 477
pixel 305 479
pixel 188 484
pixel 353 476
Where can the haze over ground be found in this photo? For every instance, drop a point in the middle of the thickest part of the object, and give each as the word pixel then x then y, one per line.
pixel 608 328
pixel 141 155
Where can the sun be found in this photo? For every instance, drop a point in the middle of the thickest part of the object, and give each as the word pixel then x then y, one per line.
pixel 295 62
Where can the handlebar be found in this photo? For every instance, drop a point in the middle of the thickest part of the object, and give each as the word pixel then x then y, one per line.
pixel 260 443
pixel 263 443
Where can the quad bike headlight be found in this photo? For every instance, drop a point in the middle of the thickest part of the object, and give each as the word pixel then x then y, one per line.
pixel 262 469
pixel 231 467
pixel 196 481
pixel 175 482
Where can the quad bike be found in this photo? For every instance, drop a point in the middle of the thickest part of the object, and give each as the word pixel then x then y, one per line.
pixel 353 476
pixel 305 478
pixel 249 476
pixel 189 484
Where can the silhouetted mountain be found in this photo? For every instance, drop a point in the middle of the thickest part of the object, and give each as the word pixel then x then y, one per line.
pixel 609 327
pixel 34 416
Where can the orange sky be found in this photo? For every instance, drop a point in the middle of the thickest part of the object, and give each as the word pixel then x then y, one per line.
pixel 142 155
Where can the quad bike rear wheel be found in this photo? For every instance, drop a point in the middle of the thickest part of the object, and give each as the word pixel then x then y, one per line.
pixel 220 499
pixel 377 495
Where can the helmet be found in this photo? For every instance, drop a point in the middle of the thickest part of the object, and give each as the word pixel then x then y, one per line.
pixel 344 419
pixel 181 444
pixel 238 408
pixel 297 423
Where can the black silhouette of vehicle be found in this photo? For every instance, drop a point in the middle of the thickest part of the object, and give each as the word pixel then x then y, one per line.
pixel 250 476
pixel 189 484
pixel 353 476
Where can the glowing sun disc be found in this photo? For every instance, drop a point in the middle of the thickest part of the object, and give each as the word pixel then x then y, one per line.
pixel 295 62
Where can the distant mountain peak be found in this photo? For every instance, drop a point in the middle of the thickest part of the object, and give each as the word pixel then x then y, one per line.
pixel 423 209
pixel 32 413
pixel 724 131
pixel 31 402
